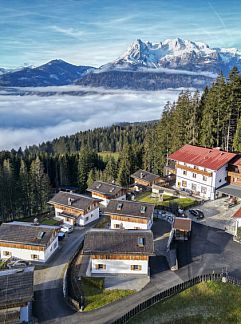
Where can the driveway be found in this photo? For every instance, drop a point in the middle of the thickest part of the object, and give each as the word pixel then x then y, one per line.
pixel 48 280
pixel 208 250
pixel 217 214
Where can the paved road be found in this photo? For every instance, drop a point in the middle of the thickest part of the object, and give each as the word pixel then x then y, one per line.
pixel 48 280
pixel 208 249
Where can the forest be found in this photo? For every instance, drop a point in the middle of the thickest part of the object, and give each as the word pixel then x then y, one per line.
pixel 29 177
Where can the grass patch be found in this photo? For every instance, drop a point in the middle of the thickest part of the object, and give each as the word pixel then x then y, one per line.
pixel 107 154
pixel 210 302
pixel 95 294
pixel 167 200
pixel 103 222
pixel 49 221
pixel 3 265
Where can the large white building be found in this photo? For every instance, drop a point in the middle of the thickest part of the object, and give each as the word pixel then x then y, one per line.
pixel 118 252
pixel 16 295
pixel 130 215
pixel 75 209
pixel 26 241
pixel 201 170
pixel 105 191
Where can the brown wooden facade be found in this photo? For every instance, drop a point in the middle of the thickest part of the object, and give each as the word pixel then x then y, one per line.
pixel 23 246
pixel 74 211
pixel 129 219
pixel 186 168
pixel 144 182
pixel 100 195
pixel 120 257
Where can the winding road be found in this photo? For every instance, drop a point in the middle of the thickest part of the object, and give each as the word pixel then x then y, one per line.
pixel 209 249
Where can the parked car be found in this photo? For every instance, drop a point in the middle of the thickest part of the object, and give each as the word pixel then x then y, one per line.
pixel 66 228
pixel 194 212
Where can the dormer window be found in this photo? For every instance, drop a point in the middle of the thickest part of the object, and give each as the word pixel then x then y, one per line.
pixel 143 209
pixel 98 186
pixel 112 189
pixel 140 241
pixel 119 206
pixel 40 235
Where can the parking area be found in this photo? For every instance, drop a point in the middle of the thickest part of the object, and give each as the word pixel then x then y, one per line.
pixel 216 214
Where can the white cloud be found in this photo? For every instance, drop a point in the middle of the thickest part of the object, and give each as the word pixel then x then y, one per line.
pixel 26 120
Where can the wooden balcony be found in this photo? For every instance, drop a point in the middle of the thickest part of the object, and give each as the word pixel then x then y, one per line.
pixel 234 174
pixel 184 167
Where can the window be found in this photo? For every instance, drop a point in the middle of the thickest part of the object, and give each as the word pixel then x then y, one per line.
pixel 100 266
pixel 194 187
pixel 7 253
pixel 184 172
pixel 205 170
pixel 184 183
pixel 194 175
pixel 136 267
pixel 205 178
pixel 116 225
pixel 140 241
pixel 137 228
pixel 203 190
pixel 34 256
pixel 195 167
pixel 55 245
pixel 87 218
pixel 184 163
pixel 143 209
pixel 119 206
pixel 220 180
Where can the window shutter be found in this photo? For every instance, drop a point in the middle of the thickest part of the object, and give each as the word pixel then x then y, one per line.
pixel 139 267
pixel 104 266
pixel 96 266
pixel 132 267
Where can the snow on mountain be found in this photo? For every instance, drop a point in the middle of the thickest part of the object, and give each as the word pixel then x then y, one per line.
pixel 176 54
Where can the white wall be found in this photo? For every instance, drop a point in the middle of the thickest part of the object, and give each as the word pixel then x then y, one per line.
pixel 25 254
pixel 89 217
pixel 220 176
pixel 119 266
pixel 104 201
pixel 130 225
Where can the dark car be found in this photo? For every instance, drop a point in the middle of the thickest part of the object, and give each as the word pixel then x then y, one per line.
pixel 194 212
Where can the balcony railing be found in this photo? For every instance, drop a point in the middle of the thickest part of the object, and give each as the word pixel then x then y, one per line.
pixel 197 171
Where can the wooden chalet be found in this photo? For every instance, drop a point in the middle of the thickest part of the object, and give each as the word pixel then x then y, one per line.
pixel 16 295
pixel 75 209
pixel 115 251
pixel 130 215
pixel 144 179
pixel 27 241
pixel 106 191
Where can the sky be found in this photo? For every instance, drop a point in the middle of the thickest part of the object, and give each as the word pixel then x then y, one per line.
pixel 94 32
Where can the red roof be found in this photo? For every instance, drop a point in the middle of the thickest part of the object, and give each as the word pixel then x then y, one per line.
pixel 210 158
pixel 238 213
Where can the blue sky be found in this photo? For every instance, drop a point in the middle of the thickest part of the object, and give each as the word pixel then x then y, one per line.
pixel 95 32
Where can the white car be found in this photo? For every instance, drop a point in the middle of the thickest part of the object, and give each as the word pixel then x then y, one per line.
pixel 66 228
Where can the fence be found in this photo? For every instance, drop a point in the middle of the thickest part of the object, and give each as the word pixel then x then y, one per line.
pixel 173 291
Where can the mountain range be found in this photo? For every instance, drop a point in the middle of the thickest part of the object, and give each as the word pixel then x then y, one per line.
pixel 172 63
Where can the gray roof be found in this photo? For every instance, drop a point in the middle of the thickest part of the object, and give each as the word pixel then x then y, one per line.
pixel 105 188
pixel 16 286
pixel 145 175
pixel 26 233
pixel 231 190
pixel 103 241
pixel 130 208
pixel 80 202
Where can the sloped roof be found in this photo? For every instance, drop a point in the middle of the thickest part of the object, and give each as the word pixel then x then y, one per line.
pixel 130 208
pixel 105 188
pixel 27 233
pixel 109 241
pixel 209 158
pixel 237 214
pixel 16 286
pixel 237 161
pixel 183 224
pixel 80 202
pixel 145 175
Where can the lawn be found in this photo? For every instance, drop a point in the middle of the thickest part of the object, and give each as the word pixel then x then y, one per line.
pixel 96 296
pixel 167 200
pixel 50 221
pixel 210 302
pixel 107 154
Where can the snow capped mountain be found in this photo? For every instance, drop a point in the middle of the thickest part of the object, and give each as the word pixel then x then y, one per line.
pixel 176 54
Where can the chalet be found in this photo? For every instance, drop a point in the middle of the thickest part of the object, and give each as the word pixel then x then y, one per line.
pixel 75 209
pixel 26 241
pixel 201 170
pixel 16 295
pixel 106 191
pixel 144 179
pixel 182 228
pixel 130 215
pixel 118 251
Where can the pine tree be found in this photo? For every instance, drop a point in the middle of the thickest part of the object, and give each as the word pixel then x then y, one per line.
pixel 91 177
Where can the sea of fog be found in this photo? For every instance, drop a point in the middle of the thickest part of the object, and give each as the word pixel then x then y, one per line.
pixel 50 112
